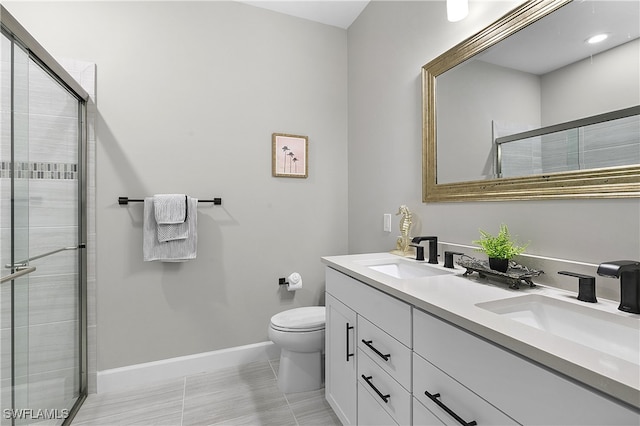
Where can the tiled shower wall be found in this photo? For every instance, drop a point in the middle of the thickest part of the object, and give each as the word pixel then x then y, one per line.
pixel 51 173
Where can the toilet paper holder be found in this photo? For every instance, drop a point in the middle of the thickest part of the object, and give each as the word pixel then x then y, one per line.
pixel 293 282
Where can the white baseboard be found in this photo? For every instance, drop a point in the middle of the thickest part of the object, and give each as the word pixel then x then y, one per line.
pixel 143 374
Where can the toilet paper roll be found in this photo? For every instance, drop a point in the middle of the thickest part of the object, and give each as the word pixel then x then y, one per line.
pixel 295 282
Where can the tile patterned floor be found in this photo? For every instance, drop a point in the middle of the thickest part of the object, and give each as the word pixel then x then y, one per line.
pixel 245 395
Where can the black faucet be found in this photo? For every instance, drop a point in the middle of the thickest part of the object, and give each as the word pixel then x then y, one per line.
pixel 629 273
pixel 433 247
pixel 448 258
pixel 586 286
pixel 419 251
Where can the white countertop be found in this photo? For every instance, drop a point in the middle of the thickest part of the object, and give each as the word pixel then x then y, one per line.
pixel 453 298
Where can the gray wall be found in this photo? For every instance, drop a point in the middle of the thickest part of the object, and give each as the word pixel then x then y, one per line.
pixel 388 44
pixel 478 93
pixel 569 93
pixel 188 94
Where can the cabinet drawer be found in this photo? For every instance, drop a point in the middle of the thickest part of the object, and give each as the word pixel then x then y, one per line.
pixel 391 355
pixel 388 313
pixel 370 413
pixel 398 403
pixel 464 403
pixel 502 378
pixel 423 417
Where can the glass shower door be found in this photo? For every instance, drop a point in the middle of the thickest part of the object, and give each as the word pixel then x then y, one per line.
pixel 41 363
pixel 14 293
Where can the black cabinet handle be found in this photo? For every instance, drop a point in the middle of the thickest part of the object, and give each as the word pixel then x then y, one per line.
pixel 367 379
pixel 369 343
pixel 349 355
pixel 459 419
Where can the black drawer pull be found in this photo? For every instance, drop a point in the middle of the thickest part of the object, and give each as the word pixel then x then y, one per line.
pixel 385 398
pixel 347 333
pixel 369 343
pixel 459 419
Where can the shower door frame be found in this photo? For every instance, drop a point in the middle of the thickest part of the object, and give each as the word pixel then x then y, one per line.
pixel 12 29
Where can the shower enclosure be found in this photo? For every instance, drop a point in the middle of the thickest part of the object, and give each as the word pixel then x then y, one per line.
pixel 43 234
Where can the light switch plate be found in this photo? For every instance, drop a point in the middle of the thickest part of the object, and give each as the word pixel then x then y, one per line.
pixel 387 222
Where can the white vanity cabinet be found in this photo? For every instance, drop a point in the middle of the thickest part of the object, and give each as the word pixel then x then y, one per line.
pixel 497 381
pixel 423 417
pixel 373 386
pixel 385 389
pixel 370 412
pixel 388 362
pixel 449 400
pixel 340 360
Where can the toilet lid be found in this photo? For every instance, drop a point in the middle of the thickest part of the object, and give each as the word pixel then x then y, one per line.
pixel 311 318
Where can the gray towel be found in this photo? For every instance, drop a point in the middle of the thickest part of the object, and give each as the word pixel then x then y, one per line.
pixel 170 211
pixel 169 251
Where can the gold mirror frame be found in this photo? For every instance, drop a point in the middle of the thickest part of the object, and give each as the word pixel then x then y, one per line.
pixel 618 182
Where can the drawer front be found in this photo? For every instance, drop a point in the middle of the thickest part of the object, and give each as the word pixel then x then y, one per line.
pixel 457 398
pixel 398 399
pixel 429 336
pixel 423 417
pixel 370 413
pixel 387 312
pixel 391 355
pixel 504 378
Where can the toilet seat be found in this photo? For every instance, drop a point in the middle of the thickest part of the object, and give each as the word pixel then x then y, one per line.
pixel 298 320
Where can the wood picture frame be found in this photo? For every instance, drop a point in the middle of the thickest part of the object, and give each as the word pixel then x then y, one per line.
pixel 290 155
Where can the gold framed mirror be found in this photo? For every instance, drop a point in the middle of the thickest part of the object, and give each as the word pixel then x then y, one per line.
pixel 596 181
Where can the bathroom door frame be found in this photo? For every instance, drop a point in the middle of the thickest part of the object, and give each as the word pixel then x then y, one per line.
pixel 12 29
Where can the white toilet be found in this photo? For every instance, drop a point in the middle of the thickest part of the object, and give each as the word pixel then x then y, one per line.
pixel 299 333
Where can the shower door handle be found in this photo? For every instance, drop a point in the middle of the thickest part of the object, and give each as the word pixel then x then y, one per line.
pixel 25 262
pixel 17 274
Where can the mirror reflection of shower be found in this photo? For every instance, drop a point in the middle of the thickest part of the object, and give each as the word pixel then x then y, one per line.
pixel 606 140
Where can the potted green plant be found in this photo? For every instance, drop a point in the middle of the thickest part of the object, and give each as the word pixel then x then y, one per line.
pixel 499 248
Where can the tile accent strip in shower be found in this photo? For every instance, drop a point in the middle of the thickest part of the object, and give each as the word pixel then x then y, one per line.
pixel 26 170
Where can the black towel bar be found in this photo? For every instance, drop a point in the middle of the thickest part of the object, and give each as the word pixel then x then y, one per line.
pixel 123 201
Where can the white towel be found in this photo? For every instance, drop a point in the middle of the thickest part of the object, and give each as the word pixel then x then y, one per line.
pixel 169 208
pixel 170 211
pixel 169 251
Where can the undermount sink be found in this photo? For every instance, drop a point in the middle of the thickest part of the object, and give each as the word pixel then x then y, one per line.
pixel 615 334
pixel 399 268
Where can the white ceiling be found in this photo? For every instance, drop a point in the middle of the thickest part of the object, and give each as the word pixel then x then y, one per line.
pixel 561 45
pixel 338 13
pixel 559 39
